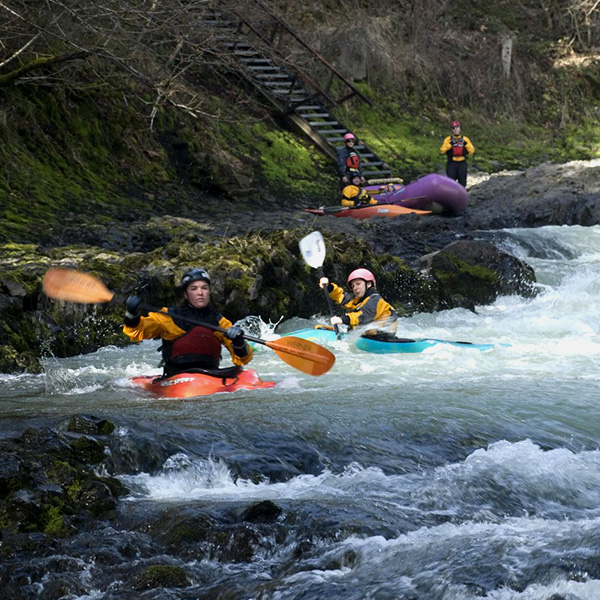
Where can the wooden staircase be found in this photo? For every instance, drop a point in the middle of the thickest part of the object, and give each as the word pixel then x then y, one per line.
pixel 304 95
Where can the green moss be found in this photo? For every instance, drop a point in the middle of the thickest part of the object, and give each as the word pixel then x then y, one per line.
pixel 478 272
pixel 161 576
pixel 53 519
pixel 290 167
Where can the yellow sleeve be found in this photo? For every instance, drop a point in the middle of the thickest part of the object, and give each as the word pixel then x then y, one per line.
pixel 237 360
pixel 469 145
pixel 446 145
pixel 155 325
pixel 337 294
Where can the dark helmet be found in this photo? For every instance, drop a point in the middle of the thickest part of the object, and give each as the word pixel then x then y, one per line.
pixel 194 275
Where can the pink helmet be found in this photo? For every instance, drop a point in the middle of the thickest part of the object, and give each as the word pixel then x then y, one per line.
pixel 349 136
pixel 361 274
pixel 455 124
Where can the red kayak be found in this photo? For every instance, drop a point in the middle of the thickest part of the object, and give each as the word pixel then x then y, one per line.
pixel 366 212
pixel 202 383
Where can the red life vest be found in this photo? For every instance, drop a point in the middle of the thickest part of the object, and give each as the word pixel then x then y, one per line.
pixel 198 348
pixel 458 146
pixel 353 161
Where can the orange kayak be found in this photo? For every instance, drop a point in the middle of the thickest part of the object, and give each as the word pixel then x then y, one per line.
pixel 366 212
pixel 190 385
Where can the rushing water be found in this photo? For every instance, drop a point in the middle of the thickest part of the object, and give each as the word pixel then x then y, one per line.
pixel 452 474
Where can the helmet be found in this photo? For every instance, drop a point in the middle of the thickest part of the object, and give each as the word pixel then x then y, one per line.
pixel 192 275
pixel 349 136
pixel 361 274
pixel 455 124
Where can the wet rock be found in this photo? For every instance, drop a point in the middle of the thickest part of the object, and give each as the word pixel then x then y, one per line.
pixel 470 273
pixel 237 545
pixel 262 512
pixel 97 498
pixel 47 485
pixel 88 424
pixel 161 576
pixel 88 450
pixel 14 288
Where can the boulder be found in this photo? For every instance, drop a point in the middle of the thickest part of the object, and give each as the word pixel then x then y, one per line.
pixel 470 273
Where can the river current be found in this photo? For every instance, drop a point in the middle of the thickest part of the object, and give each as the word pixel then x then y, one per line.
pixel 454 474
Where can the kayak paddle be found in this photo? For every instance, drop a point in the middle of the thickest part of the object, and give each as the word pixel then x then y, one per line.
pixel 76 286
pixel 312 248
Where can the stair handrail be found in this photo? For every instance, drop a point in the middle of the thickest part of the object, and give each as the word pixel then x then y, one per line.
pixel 283 23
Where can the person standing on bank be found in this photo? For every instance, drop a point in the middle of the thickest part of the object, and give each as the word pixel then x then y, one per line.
pixel 457 148
pixel 185 345
pixel 348 161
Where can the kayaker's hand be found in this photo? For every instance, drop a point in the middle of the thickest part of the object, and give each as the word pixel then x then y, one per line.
pixel 235 334
pixel 132 304
pixel 323 282
pixel 336 321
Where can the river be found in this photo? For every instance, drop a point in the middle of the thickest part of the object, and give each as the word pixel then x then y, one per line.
pixel 454 474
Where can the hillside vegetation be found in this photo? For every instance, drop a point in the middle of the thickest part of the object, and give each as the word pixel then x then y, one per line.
pixel 119 110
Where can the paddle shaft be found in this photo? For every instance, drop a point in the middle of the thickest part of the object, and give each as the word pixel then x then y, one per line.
pixel 303 349
pixel 202 324
pixel 335 327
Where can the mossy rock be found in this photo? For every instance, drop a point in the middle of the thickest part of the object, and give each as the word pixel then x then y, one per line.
pixel 470 273
pixel 161 576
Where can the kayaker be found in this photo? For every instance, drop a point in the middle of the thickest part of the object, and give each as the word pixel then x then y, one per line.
pixel 348 161
pixel 457 148
pixel 354 196
pixel 363 304
pixel 187 346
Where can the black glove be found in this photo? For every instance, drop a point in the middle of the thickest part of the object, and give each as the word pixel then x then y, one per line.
pixel 132 304
pixel 132 314
pixel 236 335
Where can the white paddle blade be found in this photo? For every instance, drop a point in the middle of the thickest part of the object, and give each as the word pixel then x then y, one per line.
pixel 312 248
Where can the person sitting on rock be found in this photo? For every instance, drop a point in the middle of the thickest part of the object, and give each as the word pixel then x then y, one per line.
pixel 187 346
pixel 354 196
pixel 362 304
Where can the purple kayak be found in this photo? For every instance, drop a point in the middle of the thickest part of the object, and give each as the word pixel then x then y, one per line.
pixel 434 192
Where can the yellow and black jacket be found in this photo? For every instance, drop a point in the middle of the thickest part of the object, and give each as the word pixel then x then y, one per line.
pixel 352 195
pixel 187 345
pixel 360 311
pixel 457 147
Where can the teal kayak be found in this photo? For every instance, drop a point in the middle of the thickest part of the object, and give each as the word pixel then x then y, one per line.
pixel 383 343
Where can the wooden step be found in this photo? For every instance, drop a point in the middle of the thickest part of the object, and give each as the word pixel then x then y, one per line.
pixel 238 45
pixel 278 76
pixel 385 172
pixel 255 61
pixel 308 116
pixel 277 83
pixel 246 53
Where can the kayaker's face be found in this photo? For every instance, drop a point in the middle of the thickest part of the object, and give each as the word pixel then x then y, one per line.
pixel 198 294
pixel 359 287
pixel 456 130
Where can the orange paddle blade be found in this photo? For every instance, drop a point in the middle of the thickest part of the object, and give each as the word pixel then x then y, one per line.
pixel 75 286
pixel 304 355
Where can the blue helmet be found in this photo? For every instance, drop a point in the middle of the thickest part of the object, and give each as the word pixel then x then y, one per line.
pixel 194 275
